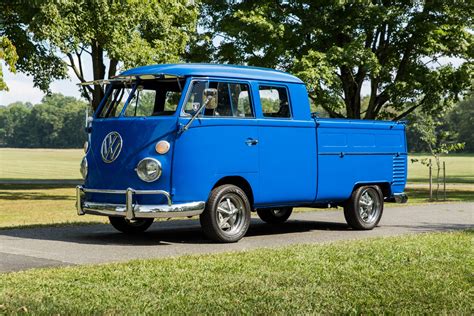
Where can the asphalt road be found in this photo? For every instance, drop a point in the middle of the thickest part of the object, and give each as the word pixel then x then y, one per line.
pixel 22 249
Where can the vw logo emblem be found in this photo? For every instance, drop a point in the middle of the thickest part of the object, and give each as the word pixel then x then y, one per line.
pixel 111 147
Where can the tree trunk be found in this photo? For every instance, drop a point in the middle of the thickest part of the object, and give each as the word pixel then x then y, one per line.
pixel 98 73
pixel 112 67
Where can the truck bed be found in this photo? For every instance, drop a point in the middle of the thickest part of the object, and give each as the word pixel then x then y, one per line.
pixel 352 152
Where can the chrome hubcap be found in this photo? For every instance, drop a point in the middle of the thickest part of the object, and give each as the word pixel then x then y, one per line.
pixel 369 206
pixel 230 213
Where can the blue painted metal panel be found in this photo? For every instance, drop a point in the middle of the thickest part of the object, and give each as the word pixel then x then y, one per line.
pixel 214 70
pixel 287 162
pixel 140 136
pixel 211 149
pixel 352 152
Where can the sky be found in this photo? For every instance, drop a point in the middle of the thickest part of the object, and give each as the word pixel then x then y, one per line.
pixel 21 86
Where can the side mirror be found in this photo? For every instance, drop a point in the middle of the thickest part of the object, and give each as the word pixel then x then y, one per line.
pixel 209 96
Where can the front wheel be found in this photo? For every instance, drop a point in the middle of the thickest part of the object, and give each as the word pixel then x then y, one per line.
pixel 130 226
pixel 226 217
pixel 364 209
pixel 274 215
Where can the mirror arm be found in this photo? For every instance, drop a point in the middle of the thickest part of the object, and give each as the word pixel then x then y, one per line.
pixel 186 127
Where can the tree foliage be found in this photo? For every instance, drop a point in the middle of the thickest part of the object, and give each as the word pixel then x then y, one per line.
pixel 57 122
pixel 394 47
pixel 128 33
pixel 34 58
pixel 9 55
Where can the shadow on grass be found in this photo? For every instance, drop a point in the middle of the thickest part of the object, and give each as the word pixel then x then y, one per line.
pixel 160 233
pixel 423 194
pixel 35 186
pixel 468 179
pixel 14 192
pixel 36 196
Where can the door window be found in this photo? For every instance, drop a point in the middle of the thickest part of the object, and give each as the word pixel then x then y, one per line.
pixel 274 101
pixel 233 99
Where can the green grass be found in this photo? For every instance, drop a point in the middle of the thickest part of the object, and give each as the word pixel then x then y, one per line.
pixel 453 194
pixel 26 205
pixel 29 205
pixel 417 274
pixel 64 164
pixel 459 168
pixel 42 164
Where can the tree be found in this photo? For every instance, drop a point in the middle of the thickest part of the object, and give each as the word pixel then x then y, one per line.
pixel 56 122
pixel 461 120
pixel 34 58
pixel 9 55
pixel 128 33
pixel 439 141
pixel 337 46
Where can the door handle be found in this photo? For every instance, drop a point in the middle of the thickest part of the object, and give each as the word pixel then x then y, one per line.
pixel 251 142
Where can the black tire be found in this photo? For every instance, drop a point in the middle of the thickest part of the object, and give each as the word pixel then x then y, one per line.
pixel 130 226
pixel 226 217
pixel 274 215
pixel 364 213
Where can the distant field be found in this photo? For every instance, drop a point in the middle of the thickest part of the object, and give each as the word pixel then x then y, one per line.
pixel 459 168
pixel 40 163
pixel 64 164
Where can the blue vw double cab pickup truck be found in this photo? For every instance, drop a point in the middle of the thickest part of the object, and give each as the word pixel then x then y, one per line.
pixel 221 141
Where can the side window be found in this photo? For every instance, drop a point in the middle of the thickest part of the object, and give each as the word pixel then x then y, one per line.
pixel 240 98
pixel 233 99
pixel 274 101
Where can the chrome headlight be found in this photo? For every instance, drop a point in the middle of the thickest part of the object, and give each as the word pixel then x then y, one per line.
pixel 84 167
pixel 148 169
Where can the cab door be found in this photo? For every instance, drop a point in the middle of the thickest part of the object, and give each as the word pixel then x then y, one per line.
pixel 222 142
pixel 287 153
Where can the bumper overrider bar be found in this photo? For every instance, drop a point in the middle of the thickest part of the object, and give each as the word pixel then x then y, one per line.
pixel 132 210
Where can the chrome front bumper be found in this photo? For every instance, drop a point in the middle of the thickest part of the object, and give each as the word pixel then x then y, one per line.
pixel 130 210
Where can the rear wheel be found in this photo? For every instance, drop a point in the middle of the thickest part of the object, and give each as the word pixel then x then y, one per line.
pixel 275 215
pixel 364 209
pixel 130 226
pixel 227 214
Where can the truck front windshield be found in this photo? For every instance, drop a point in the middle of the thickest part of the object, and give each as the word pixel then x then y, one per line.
pixel 142 98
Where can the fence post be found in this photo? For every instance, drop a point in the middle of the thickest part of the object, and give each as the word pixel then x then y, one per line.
pixel 444 179
pixel 431 182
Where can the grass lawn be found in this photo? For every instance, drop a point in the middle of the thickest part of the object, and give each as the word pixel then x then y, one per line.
pixel 48 164
pixel 459 168
pixel 26 205
pixel 64 164
pixel 416 274
pixel 22 205
pixel 52 204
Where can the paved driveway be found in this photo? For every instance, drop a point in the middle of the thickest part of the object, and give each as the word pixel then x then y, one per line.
pixel 22 249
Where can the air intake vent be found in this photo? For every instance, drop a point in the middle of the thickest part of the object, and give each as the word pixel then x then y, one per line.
pixel 399 170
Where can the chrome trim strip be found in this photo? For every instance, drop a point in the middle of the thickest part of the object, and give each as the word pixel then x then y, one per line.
pixel 132 211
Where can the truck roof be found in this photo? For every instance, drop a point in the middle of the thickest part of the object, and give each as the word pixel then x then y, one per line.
pixel 206 70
